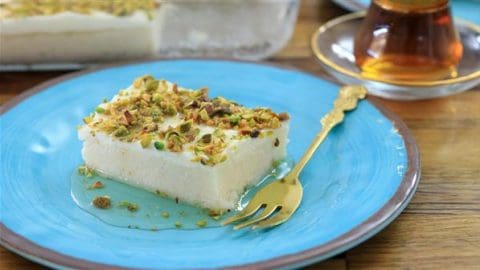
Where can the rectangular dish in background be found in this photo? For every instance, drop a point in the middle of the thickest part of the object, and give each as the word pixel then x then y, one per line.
pixel 61 34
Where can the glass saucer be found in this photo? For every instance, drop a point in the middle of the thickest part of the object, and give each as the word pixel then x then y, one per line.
pixel 332 44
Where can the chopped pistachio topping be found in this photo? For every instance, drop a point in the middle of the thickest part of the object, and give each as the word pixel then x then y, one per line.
pixel 178 224
pixel 165 214
pixel 26 8
pixel 201 223
pixel 215 213
pixel 143 112
pixel 102 202
pixel 132 207
pixel 96 185
pixel 209 148
pixel 159 145
pixel 99 110
pixel 146 140
pixel 85 171
pixel 88 119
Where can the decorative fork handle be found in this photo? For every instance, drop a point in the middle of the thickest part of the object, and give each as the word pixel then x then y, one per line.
pixel 347 100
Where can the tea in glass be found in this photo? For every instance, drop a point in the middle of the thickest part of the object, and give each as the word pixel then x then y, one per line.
pixel 408 40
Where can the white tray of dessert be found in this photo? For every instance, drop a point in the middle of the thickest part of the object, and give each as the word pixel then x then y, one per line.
pixel 71 34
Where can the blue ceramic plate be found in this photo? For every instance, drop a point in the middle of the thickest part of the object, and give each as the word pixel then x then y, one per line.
pixel 465 9
pixel 359 180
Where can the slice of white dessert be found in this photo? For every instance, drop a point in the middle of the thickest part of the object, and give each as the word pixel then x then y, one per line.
pixel 66 31
pixel 179 142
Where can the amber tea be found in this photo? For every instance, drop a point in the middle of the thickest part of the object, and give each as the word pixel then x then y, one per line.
pixel 408 40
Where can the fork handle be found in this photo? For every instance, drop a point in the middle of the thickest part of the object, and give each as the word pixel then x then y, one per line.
pixel 347 100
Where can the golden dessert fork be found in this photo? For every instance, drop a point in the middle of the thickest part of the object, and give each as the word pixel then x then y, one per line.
pixel 281 198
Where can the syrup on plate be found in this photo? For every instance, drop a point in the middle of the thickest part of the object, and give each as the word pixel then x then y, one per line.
pixel 150 211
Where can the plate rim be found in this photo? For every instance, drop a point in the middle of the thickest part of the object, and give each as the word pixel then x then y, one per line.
pixel 371 226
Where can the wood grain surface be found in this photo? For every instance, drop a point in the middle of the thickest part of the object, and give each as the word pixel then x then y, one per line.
pixel 440 229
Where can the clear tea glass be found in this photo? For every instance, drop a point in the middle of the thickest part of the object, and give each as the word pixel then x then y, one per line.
pixel 408 40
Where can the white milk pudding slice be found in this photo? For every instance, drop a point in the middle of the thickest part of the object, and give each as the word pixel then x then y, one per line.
pixel 166 139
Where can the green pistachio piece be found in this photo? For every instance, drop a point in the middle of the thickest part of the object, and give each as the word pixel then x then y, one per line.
pixel 159 145
pixel 201 223
pixel 151 85
pixel 157 98
pixel 132 207
pixel 87 120
pixel 102 202
pixel 170 110
pixel 99 110
pixel 146 140
pixel 234 119
pixel 204 115
pixel 185 127
pixel 120 131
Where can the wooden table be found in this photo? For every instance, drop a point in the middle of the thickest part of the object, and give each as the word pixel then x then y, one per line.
pixel 440 229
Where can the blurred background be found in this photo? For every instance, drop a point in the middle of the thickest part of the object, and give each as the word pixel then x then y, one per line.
pixel 43 39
